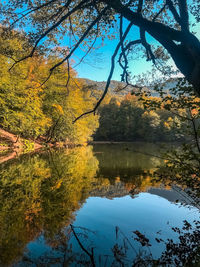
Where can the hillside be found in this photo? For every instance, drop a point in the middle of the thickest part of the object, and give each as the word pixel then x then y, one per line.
pixel 117 88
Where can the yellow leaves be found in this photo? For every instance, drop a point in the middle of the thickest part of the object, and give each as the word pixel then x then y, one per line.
pixel 146 113
pixel 104 182
pixel 169 123
pixel 168 187
pixel 58 108
pixel 117 180
pixel 150 113
pixel 32 211
pixel 170 119
pixel 166 124
pixel 32 110
pixel 57 185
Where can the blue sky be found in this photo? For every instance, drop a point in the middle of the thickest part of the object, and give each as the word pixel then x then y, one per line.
pixel 96 65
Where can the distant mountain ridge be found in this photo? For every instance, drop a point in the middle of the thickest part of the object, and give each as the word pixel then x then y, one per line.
pixel 120 89
pixel 115 88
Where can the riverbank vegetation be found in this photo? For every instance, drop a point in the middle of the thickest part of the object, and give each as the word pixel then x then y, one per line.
pixel 129 120
pixel 44 111
pixel 31 110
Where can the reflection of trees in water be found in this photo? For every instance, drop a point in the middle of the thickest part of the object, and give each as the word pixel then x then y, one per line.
pixel 41 193
pixel 130 164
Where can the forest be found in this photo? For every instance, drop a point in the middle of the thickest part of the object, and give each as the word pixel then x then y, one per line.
pixel 31 110
pixel 107 174
pixel 46 112
pixel 128 120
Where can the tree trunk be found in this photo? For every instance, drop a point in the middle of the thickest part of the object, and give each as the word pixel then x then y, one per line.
pixel 182 45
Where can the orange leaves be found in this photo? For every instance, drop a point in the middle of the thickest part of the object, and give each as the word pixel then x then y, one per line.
pixel 194 112
pixel 57 185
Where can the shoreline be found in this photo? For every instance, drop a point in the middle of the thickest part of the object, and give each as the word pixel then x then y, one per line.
pixel 132 142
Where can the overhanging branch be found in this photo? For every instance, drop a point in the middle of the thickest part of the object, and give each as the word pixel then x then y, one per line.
pixel 54 26
pixel 110 74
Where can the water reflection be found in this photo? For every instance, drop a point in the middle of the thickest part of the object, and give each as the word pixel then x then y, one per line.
pixel 39 193
pixel 94 188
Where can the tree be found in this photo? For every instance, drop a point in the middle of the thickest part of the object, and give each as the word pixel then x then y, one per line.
pixel 20 95
pixel 135 118
pixel 64 103
pixel 167 21
pixel 30 108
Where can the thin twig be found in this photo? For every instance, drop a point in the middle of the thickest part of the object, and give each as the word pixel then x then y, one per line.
pixel 91 255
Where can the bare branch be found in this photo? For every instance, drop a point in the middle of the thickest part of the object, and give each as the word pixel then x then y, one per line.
pixel 90 48
pixel 110 74
pixel 132 43
pixel 125 73
pixel 140 4
pixel 71 28
pixel 158 14
pixel 51 29
pixel 173 10
pixel 80 40
pixel 150 55
pixel 91 255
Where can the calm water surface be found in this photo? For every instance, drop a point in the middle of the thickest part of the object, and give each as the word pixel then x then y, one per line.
pixel 105 192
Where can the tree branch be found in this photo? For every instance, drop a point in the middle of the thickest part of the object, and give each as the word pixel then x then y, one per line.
pixel 184 15
pixel 158 14
pixel 32 10
pixel 173 11
pixel 80 40
pixel 51 29
pixel 155 29
pixel 90 48
pixel 91 255
pixel 110 74
pixel 150 55
pixel 140 4
pixel 125 73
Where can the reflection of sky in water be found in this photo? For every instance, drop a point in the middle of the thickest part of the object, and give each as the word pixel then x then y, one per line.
pixel 146 212
pixel 59 182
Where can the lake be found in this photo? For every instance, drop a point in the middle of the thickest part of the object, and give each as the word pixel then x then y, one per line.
pixel 90 206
